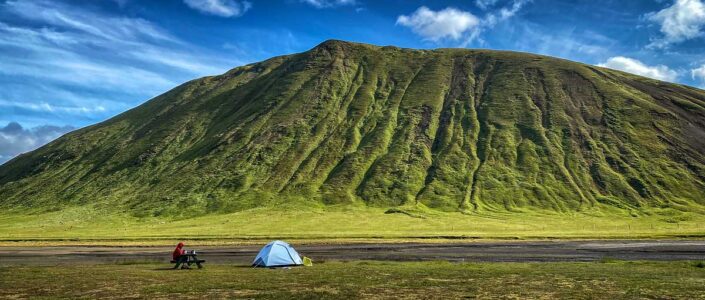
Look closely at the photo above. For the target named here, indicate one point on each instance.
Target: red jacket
(178, 251)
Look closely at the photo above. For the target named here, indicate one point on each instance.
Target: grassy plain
(361, 279)
(339, 224)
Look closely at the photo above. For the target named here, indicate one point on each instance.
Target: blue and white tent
(277, 254)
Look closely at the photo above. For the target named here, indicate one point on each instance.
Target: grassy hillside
(476, 131)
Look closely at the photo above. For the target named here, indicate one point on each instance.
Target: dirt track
(522, 251)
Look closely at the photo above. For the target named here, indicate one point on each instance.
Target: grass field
(598, 280)
(340, 223)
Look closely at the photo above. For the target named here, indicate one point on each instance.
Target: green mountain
(347, 123)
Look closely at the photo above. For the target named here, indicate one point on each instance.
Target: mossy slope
(346, 123)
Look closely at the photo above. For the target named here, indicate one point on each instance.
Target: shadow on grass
(205, 267)
(242, 266)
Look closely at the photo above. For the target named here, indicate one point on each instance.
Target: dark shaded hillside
(351, 123)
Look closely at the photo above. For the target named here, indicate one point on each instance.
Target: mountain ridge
(343, 123)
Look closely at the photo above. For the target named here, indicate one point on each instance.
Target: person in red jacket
(178, 254)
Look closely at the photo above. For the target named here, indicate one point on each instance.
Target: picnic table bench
(191, 258)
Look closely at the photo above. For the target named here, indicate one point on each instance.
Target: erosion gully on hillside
(502, 251)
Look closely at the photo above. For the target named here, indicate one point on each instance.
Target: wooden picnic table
(192, 258)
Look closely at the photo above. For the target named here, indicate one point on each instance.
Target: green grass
(361, 279)
(329, 224)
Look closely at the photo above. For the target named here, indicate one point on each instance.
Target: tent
(277, 254)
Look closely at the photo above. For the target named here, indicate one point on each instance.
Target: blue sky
(67, 64)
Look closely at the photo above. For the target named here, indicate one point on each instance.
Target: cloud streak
(221, 8)
(329, 3)
(485, 4)
(73, 18)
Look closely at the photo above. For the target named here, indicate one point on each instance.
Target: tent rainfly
(277, 254)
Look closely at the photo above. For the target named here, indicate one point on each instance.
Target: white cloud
(699, 74)
(449, 23)
(14, 139)
(221, 8)
(682, 21)
(329, 3)
(454, 24)
(637, 67)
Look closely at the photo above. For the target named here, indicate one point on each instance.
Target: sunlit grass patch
(332, 224)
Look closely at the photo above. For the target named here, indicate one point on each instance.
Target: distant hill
(347, 123)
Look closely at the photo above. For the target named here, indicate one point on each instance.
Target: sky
(67, 64)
